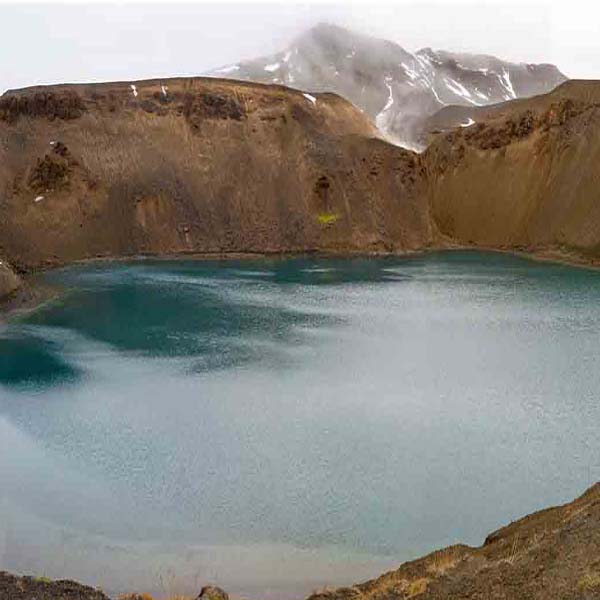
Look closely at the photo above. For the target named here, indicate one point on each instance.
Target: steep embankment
(213, 166)
(525, 176)
(554, 553)
(198, 165)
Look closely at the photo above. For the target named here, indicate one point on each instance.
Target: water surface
(273, 426)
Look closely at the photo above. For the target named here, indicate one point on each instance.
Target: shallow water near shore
(277, 425)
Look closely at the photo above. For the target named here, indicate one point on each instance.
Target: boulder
(211, 592)
(9, 280)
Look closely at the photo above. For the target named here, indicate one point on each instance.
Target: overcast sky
(48, 43)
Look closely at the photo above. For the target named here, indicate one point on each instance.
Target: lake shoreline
(382, 284)
(32, 295)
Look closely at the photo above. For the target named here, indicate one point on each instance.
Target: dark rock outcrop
(49, 104)
(41, 588)
(9, 281)
(211, 592)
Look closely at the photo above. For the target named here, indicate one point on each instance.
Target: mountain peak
(398, 89)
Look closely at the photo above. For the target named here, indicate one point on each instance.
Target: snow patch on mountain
(382, 117)
(507, 84)
(460, 90)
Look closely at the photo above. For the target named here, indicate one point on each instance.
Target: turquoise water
(277, 425)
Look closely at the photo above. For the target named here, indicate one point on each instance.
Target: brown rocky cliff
(524, 176)
(213, 166)
(198, 165)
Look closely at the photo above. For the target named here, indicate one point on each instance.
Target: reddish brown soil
(524, 177)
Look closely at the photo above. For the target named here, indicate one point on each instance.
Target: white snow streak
(38, 198)
(310, 98)
(390, 99)
(412, 74)
(468, 123)
(381, 118)
(505, 79)
(460, 90)
(436, 95)
(134, 90)
(457, 88)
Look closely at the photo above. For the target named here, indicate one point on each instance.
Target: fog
(75, 42)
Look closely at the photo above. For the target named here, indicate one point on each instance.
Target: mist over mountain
(396, 88)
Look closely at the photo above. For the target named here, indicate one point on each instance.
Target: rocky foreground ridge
(551, 554)
(215, 166)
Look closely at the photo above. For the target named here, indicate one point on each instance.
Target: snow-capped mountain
(398, 89)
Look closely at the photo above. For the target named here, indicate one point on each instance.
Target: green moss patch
(327, 218)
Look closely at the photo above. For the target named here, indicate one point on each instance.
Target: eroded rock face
(522, 176)
(49, 104)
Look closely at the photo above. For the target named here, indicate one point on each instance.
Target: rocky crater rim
(210, 166)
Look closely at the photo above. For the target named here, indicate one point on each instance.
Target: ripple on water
(282, 424)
